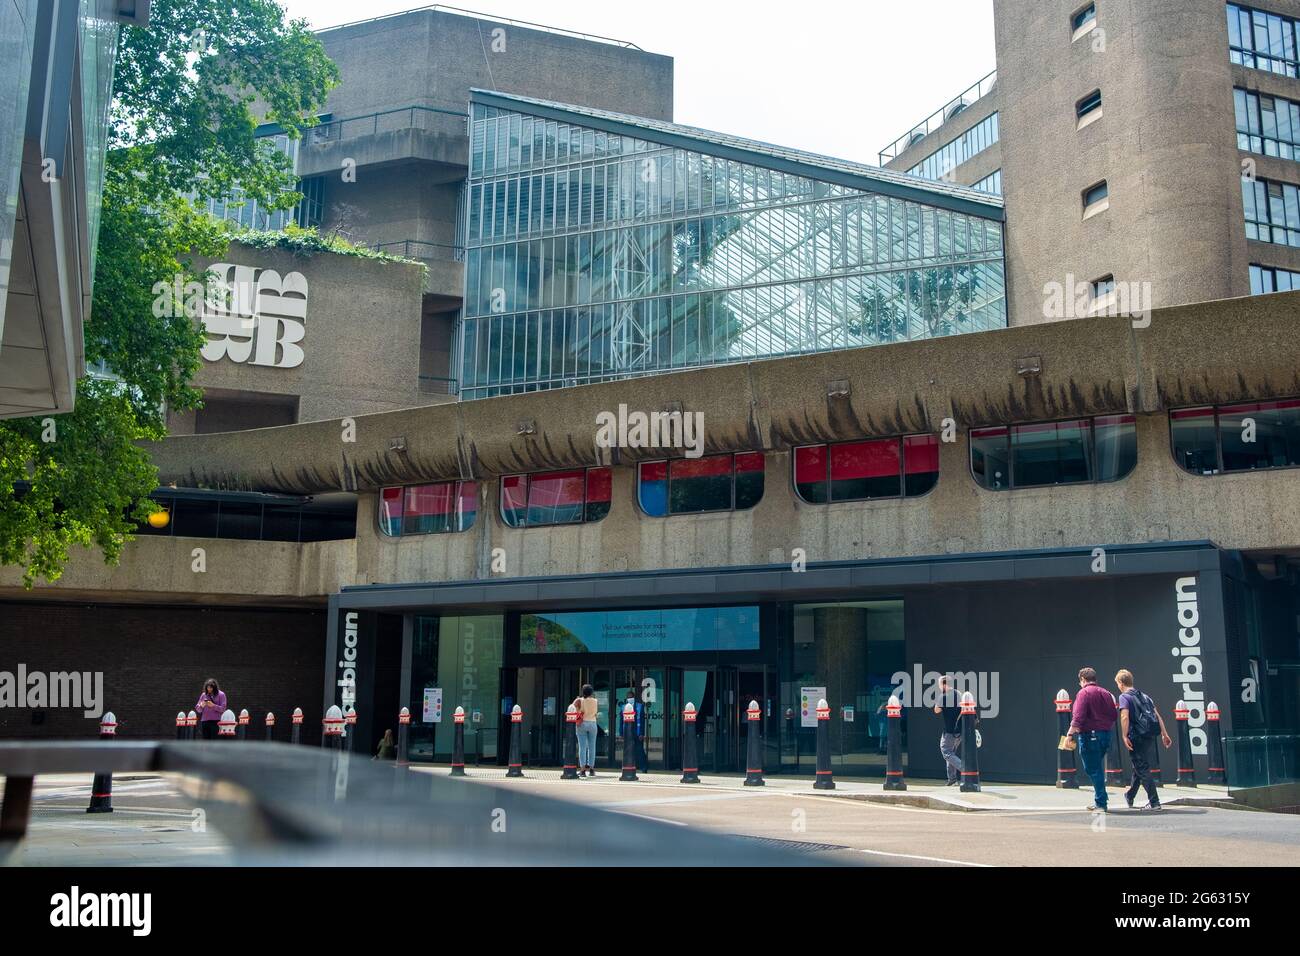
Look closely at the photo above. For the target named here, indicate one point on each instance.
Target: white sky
(840, 77)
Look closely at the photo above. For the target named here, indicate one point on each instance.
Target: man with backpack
(1140, 726)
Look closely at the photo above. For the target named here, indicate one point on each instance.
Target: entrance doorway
(658, 694)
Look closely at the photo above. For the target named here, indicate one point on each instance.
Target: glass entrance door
(646, 688)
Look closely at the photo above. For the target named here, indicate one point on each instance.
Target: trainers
(953, 783)
(1093, 808)
(1153, 806)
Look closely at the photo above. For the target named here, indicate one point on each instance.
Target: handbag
(577, 702)
(1067, 743)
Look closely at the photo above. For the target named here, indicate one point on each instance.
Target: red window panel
(711, 467)
(999, 431)
(429, 499)
(468, 497)
(1182, 414)
(810, 464)
(514, 490)
(390, 510)
(920, 454)
(555, 488)
(654, 471)
(1112, 421)
(599, 481)
(749, 461)
(866, 459)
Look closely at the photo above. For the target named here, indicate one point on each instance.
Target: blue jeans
(1093, 745)
(586, 743)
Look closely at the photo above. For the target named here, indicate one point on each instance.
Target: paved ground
(1003, 825)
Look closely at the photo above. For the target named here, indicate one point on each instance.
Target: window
(253, 517)
(1084, 19)
(1054, 453)
(555, 497)
(695, 485)
(992, 183)
(948, 157)
(1262, 41)
(1096, 199)
(1249, 436)
(1265, 279)
(1102, 291)
(1272, 211)
(864, 470)
(1268, 125)
(438, 508)
(1090, 105)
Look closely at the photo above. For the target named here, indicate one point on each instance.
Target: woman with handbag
(586, 729)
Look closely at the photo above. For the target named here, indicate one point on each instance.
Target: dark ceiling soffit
(915, 194)
(722, 585)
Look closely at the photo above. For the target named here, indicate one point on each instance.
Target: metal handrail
(940, 116)
(350, 127)
(418, 249)
(437, 385)
(300, 805)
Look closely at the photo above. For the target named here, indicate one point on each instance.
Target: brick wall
(155, 659)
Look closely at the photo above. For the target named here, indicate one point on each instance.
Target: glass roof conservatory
(603, 246)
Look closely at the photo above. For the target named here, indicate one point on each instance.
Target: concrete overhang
(445, 154)
(1211, 352)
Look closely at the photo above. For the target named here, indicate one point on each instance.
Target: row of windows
(1262, 41)
(243, 518)
(1265, 279)
(968, 145)
(1206, 440)
(992, 183)
(718, 252)
(1268, 125)
(1272, 211)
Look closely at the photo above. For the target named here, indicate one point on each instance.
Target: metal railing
(437, 385)
(493, 18)
(431, 118)
(419, 249)
(938, 118)
(277, 803)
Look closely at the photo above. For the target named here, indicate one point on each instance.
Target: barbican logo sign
(254, 316)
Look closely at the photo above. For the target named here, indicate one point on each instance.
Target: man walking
(1090, 725)
(950, 737)
(1140, 724)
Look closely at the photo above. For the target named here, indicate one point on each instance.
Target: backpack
(1144, 722)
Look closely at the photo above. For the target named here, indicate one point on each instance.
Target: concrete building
(56, 79)
(806, 448)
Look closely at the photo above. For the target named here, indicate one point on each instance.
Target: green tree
(189, 92)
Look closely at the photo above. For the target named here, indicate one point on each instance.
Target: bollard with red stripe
(192, 725)
(825, 779)
(1066, 771)
(516, 767)
(226, 726)
(241, 731)
(690, 750)
(270, 726)
(1218, 770)
(570, 744)
(1114, 763)
(332, 728)
(629, 743)
(458, 745)
(403, 737)
(182, 728)
(1186, 768)
(754, 747)
(894, 759)
(297, 726)
(970, 761)
(349, 728)
(101, 788)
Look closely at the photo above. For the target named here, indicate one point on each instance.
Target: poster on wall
(808, 697)
(433, 705)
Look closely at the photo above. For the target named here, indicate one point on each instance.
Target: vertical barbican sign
(1190, 679)
(254, 316)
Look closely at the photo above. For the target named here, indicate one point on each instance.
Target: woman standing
(387, 747)
(586, 730)
(211, 705)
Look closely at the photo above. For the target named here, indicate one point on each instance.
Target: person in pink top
(1091, 724)
(211, 705)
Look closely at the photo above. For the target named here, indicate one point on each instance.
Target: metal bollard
(690, 749)
(270, 726)
(241, 732)
(970, 761)
(516, 767)
(297, 726)
(894, 760)
(629, 743)
(1066, 771)
(754, 747)
(1186, 768)
(825, 779)
(101, 788)
(570, 744)
(350, 730)
(403, 737)
(1114, 762)
(182, 729)
(458, 744)
(226, 725)
(1218, 770)
(192, 725)
(332, 728)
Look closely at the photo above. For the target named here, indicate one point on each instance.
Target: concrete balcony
(412, 134)
(445, 263)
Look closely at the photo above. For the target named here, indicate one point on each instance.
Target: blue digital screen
(613, 632)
